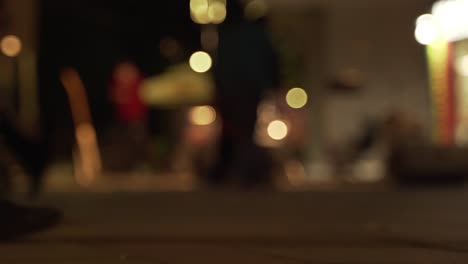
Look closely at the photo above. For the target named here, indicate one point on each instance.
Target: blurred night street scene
(234, 131)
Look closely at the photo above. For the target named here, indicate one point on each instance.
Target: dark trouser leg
(238, 155)
(225, 152)
(251, 162)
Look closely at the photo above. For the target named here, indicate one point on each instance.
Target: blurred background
(134, 95)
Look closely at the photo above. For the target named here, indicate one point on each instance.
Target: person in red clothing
(130, 110)
(125, 93)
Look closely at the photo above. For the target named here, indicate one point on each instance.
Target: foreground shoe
(19, 221)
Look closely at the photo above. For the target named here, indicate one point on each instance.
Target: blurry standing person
(16, 220)
(28, 151)
(131, 112)
(31, 154)
(246, 68)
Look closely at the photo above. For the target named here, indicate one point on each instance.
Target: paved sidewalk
(201, 227)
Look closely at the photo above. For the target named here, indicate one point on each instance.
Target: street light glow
(277, 130)
(217, 12)
(202, 115)
(296, 98)
(200, 62)
(11, 45)
(199, 11)
(427, 30)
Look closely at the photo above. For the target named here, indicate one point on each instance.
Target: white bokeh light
(451, 19)
(200, 62)
(277, 130)
(426, 29)
(202, 115)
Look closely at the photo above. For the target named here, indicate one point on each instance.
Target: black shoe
(19, 221)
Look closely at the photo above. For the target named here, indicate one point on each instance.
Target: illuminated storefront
(445, 34)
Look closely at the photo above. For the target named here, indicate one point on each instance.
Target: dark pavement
(394, 226)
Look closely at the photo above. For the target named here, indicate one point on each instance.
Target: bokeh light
(296, 98)
(199, 11)
(426, 29)
(277, 130)
(200, 62)
(217, 12)
(198, 4)
(450, 15)
(256, 9)
(202, 115)
(11, 45)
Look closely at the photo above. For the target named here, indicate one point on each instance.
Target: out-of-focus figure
(183, 94)
(31, 154)
(398, 129)
(245, 70)
(17, 221)
(131, 112)
(388, 141)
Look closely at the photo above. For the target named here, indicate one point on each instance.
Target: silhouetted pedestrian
(245, 70)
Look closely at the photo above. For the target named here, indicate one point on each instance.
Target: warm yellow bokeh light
(200, 17)
(277, 130)
(297, 98)
(217, 12)
(198, 4)
(199, 11)
(11, 46)
(200, 62)
(202, 115)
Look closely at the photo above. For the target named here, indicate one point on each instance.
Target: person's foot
(19, 221)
